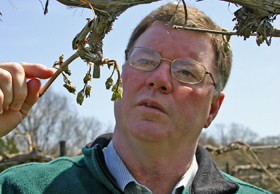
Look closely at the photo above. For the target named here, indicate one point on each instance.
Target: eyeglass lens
(184, 70)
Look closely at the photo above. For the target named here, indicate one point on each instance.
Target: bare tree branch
(239, 168)
(261, 8)
(274, 33)
(33, 156)
(246, 147)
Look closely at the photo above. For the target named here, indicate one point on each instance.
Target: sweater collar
(208, 179)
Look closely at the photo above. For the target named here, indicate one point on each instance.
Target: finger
(6, 88)
(33, 87)
(37, 70)
(9, 120)
(1, 101)
(17, 86)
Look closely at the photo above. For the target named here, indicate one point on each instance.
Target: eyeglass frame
(206, 72)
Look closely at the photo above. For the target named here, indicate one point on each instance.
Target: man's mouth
(149, 105)
(153, 107)
(152, 104)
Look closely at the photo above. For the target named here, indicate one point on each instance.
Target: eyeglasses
(184, 70)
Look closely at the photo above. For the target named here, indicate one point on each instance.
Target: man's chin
(149, 131)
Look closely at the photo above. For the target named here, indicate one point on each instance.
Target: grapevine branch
(238, 168)
(262, 176)
(62, 67)
(237, 145)
(89, 41)
(14, 159)
(274, 33)
(254, 18)
(33, 155)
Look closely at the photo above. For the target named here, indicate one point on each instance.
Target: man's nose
(160, 78)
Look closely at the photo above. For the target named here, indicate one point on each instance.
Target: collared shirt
(127, 182)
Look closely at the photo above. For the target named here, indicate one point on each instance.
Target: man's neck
(157, 166)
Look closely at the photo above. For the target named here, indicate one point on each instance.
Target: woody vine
(254, 18)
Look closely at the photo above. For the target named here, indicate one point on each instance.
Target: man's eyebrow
(144, 51)
(149, 51)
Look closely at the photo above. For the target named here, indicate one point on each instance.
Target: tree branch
(33, 156)
(244, 146)
(262, 8)
(239, 168)
(274, 33)
(61, 68)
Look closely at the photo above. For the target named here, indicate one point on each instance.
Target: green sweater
(89, 174)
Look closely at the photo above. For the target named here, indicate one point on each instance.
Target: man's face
(156, 106)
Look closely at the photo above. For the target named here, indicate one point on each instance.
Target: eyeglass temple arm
(211, 78)
(126, 53)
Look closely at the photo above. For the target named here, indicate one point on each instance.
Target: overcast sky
(252, 94)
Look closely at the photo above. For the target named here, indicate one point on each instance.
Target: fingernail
(16, 106)
(1, 109)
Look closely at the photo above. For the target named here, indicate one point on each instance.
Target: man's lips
(151, 104)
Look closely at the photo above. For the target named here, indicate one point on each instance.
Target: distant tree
(207, 139)
(53, 119)
(270, 140)
(79, 131)
(7, 144)
(223, 135)
(238, 131)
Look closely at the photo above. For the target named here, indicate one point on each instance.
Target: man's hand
(17, 96)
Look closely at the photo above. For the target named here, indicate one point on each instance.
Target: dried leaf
(87, 77)
(70, 88)
(109, 83)
(80, 97)
(88, 89)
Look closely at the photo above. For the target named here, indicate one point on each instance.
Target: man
(172, 82)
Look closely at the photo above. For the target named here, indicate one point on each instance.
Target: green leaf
(88, 89)
(109, 83)
(70, 88)
(80, 97)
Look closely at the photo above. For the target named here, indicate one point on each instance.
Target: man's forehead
(159, 31)
(162, 38)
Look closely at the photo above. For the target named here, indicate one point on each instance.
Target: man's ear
(215, 107)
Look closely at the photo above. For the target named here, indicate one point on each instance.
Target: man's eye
(144, 61)
(187, 73)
